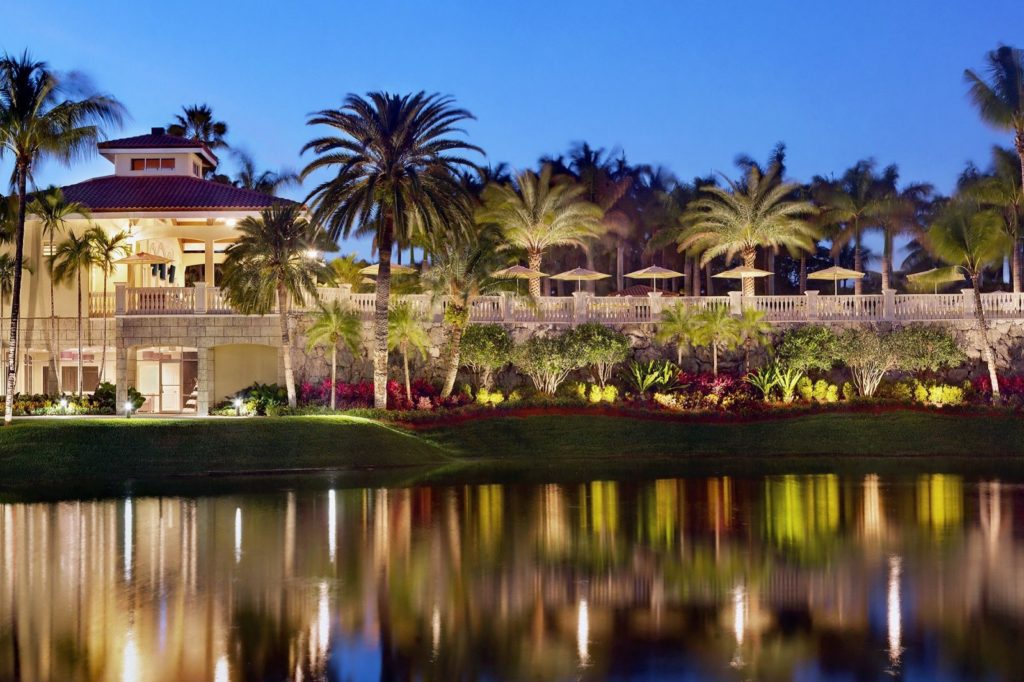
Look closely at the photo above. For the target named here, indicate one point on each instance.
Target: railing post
(345, 294)
(888, 304)
(200, 303)
(656, 305)
(435, 306)
(120, 298)
(579, 308)
(505, 303)
(812, 304)
(968, 303)
(735, 302)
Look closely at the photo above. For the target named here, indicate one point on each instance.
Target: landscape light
(313, 254)
(231, 222)
(128, 407)
(64, 405)
(238, 407)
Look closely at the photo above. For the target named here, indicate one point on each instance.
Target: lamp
(238, 407)
(128, 407)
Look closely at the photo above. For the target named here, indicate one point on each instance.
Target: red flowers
(354, 395)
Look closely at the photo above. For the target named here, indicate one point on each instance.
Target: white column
(968, 295)
(888, 304)
(208, 265)
(580, 304)
(120, 298)
(812, 304)
(656, 304)
(200, 302)
(735, 302)
(204, 380)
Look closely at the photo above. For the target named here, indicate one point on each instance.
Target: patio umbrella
(655, 273)
(834, 274)
(580, 275)
(368, 280)
(396, 269)
(518, 272)
(142, 258)
(935, 277)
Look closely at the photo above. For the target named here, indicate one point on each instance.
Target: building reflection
(516, 582)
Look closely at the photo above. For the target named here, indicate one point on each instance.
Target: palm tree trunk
(695, 276)
(1015, 265)
(709, 284)
(286, 343)
(21, 170)
(405, 367)
(986, 346)
(588, 252)
(620, 270)
(714, 358)
(103, 352)
(334, 376)
(380, 316)
(770, 281)
(454, 352)
(79, 382)
(887, 260)
(857, 265)
(749, 260)
(803, 273)
(533, 261)
(54, 339)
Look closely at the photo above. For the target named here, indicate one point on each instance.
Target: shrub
(39, 404)
(1011, 386)
(261, 398)
(548, 360)
(595, 393)
(492, 398)
(938, 394)
(808, 347)
(849, 392)
(485, 349)
(926, 348)
(805, 389)
(601, 349)
(868, 355)
(786, 378)
(654, 375)
(825, 392)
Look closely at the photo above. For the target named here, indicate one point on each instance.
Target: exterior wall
(182, 166)
(239, 365)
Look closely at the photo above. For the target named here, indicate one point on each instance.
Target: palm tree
(106, 250)
(331, 325)
(971, 239)
(537, 213)
(752, 330)
(346, 270)
(898, 213)
(1000, 189)
(1000, 99)
(42, 116)
(396, 162)
(851, 202)
(53, 212)
(269, 263)
(462, 271)
(197, 123)
(718, 329)
(743, 217)
(73, 258)
(678, 325)
(264, 182)
(6, 284)
(406, 332)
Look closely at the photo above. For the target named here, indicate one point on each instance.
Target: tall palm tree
(6, 284)
(463, 270)
(971, 239)
(407, 332)
(197, 123)
(1000, 98)
(537, 213)
(752, 330)
(395, 161)
(740, 218)
(265, 182)
(106, 249)
(850, 204)
(42, 116)
(898, 213)
(73, 258)
(53, 212)
(719, 330)
(678, 326)
(335, 324)
(269, 264)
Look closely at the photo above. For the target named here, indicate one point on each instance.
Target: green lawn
(99, 455)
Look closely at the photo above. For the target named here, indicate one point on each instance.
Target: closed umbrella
(655, 273)
(372, 270)
(580, 275)
(834, 274)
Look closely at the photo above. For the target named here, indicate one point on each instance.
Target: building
(181, 363)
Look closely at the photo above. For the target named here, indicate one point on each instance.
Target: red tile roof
(155, 140)
(115, 193)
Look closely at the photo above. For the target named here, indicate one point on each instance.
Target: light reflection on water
(812, 577)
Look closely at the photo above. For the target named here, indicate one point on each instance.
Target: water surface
(816, 577)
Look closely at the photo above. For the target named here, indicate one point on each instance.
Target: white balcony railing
(583, 307)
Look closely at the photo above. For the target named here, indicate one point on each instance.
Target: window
(69, 379)
(195, 169)
(153, 164)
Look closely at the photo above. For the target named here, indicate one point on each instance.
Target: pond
(808, 577)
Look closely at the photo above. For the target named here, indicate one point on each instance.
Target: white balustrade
(568, 310)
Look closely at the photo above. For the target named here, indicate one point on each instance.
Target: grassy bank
(96, 454)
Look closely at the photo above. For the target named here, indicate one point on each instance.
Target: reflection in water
(809, 577)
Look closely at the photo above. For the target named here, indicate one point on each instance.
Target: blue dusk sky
(682, 84)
